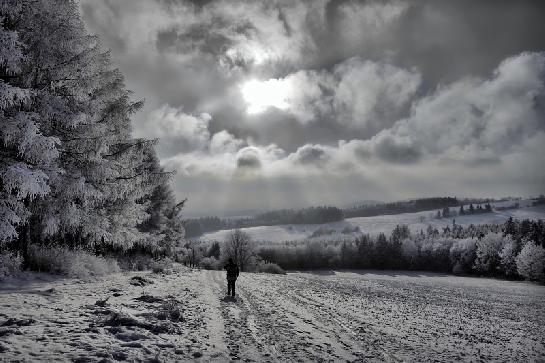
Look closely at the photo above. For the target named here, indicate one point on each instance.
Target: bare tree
(240, 248)
(192, 254)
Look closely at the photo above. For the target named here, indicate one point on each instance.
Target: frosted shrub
(10, 264)
(138, 262)
(531, 262)
(210, 263)
(508, 256)
(159, 266)
(72, 263)
(488, 253)
(270, 268)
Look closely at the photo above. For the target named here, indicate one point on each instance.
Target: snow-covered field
(377, 224)
(322, 316)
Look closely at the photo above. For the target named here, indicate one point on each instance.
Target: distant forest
(512, 250)
(326, 214)
(312, 215)
(410, 206)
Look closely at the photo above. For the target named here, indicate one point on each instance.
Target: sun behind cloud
(260, 95)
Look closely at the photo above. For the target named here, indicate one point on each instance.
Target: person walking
(232, 274)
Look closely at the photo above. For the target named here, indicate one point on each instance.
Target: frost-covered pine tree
(28, 156)
(164, 226)
(94, 199)
(71, 170)
(174, 229)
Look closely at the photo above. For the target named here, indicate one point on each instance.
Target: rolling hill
(351, 227)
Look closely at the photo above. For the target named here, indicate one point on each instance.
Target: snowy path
(325, 316)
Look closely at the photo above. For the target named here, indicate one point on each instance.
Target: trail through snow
(321, 316)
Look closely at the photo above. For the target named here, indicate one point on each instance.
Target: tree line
(325, 214)
(410, 206)
(446, 212)
(312, 215)
(515, 249)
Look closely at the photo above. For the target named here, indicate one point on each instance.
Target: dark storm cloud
(363, 90)
(445, 39)
(451, 39)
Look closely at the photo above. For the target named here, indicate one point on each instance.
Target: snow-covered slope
(355, 316)
(377, 224)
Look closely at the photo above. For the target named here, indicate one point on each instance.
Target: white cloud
(275, 31)
(224, 142)
(371, 95)
(470, 123)
(475, 117)
(178, 131)
(362, 95)
(250, 33)
(317, 85)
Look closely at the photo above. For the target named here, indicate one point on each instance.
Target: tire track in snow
(297, 317)
(216, 327)
(420, 321)
(274, 326)
(238, 337)
(263, 326)
(358, 317)
(303, 335)
(325, 321)
(366, 345)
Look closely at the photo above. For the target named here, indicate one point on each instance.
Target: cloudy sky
(273, 104)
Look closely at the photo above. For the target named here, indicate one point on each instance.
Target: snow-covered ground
(377, 224)
(321, 316)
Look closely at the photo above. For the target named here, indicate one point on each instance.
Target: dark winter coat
(232, 271)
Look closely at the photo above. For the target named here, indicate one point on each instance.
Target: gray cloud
(178, 132)
(433, 96)
(248, 158)
(473, 121)
(223, 142)
(310, 154)
(473, 117)
(396, 150)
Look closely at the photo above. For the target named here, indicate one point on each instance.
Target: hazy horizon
(285, 104)
(232, 213)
